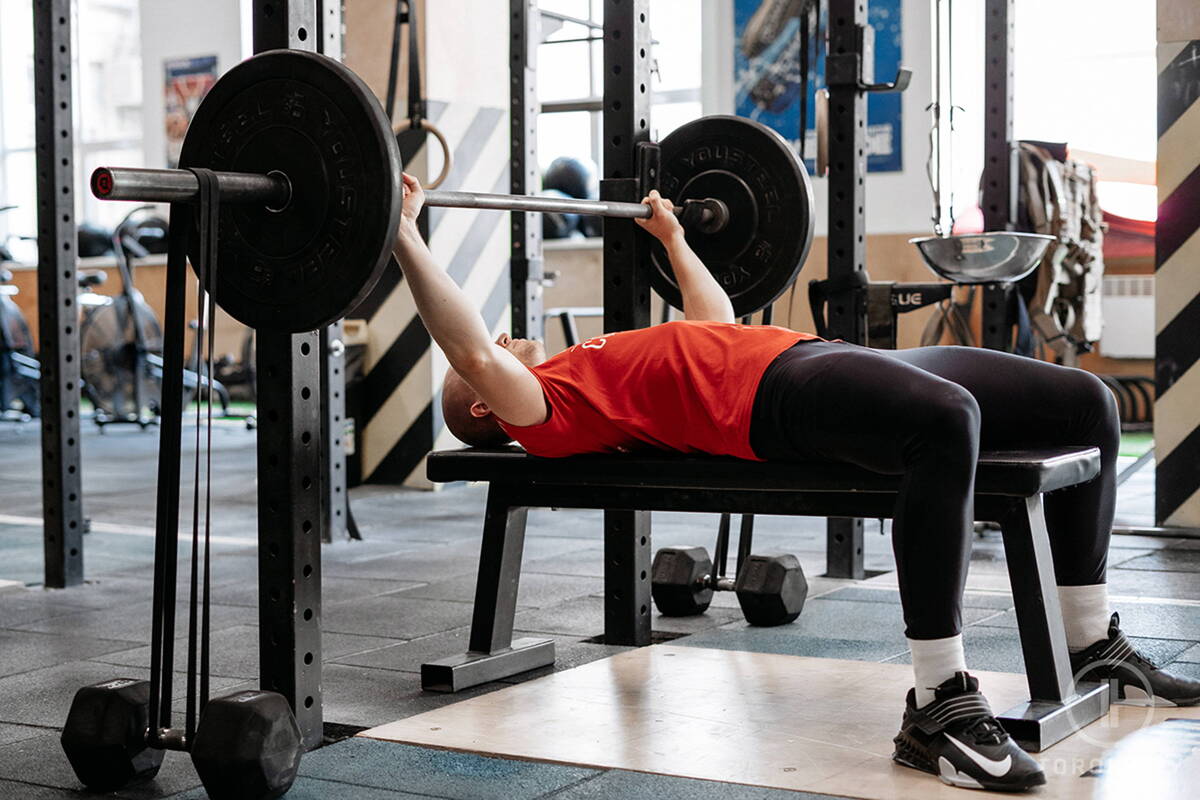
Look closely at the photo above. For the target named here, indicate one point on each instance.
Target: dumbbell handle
(723, 583)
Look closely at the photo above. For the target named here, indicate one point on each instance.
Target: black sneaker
(957, 738)
(1135, 679)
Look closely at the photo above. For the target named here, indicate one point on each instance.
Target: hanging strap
(804, 36)
(810, 51)
(166, 530)
(211, 315)
(416, 103)
(394, 64)
(207, 214)
(406, 13)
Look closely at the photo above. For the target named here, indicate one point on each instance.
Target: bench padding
(1015, 473)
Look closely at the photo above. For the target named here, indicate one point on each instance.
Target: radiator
(1128, 309)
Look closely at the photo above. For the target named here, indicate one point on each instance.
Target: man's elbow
(725, 312)
(709, 312)
(471, 362)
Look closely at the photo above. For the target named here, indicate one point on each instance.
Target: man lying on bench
(709, 385)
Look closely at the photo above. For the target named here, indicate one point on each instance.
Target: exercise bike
(20, 370)
(121, 342)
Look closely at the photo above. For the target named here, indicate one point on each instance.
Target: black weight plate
(754, 171)
(309, 117)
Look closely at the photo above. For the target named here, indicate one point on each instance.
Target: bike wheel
(113, 369)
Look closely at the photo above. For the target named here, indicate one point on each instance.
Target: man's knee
(949, 417)
(1098, 406)
(952, 408)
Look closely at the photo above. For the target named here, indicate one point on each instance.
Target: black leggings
(924, 414)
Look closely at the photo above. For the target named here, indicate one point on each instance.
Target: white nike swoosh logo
(992, 767)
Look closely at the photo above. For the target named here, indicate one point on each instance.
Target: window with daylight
(107, 86)
(570, 63)
(1085, 74)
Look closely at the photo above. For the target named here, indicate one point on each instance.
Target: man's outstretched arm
(503, 382)
(703, 297)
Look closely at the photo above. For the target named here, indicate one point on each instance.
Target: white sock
(934, 662)
(1085, 614)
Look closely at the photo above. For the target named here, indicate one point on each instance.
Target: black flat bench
(1008, 490)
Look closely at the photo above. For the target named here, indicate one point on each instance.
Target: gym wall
(367, 45)
(173, 29)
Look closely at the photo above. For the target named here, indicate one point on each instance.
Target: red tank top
(682, 386)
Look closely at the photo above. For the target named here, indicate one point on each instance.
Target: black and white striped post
(1177, 275)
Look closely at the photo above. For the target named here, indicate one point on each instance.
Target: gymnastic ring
(447, 155)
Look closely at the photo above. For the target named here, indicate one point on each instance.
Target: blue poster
(767, 73)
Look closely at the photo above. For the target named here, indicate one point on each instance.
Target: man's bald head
(466, 414)
(458, 399)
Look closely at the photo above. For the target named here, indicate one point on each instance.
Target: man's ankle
(1085, 614)
(934, 662)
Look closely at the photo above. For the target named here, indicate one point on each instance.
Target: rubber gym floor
(403, 596)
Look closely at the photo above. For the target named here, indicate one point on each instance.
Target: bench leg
(844, 548)
(627, 577)
(1057, 708)
(493, 654)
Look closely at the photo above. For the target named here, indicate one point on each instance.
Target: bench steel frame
(1009, 491)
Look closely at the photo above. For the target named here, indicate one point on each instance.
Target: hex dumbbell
(771, 589)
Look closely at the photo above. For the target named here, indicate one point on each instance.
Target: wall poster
(187, 81)
(767, 74)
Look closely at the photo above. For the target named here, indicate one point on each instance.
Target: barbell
(274, 191)
(308, 175)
